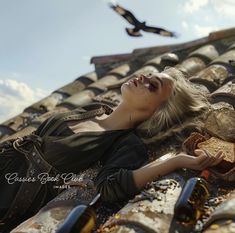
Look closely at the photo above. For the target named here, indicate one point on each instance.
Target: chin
(124, 88)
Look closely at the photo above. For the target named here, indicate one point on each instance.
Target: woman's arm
(115, 179)
(155, 169)
(122, 176)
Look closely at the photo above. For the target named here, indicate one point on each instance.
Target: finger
(220, 153)
(215, 159)
(205, 161)
(208, 153)
(199, 152)
(217, 154)
(219, 159)
(201, 158)
(208, 161)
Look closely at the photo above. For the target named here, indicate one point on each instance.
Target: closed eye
(157, 79)
(153, 86)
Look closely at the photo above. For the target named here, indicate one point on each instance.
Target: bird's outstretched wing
(160, 31)
(133, 32)
(125, 14)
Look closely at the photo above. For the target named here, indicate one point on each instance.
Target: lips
(135, 82)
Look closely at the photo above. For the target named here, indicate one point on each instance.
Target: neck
(123, 118)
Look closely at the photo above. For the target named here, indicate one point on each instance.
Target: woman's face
(147, 92)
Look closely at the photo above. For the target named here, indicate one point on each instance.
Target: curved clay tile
(31, 126)
(217, 72)
(83, 97)
(45, 104)
(111, 98)
(28, 130)
(198, 59)
(15, 124)
(226, 93)
(20, 121)
(78, 84)
(5, 131)
(151, 211)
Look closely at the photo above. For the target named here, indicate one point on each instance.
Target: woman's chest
(87, 126)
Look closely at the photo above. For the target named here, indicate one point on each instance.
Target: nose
(142, 78)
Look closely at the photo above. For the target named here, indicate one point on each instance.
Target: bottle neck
(205, 174)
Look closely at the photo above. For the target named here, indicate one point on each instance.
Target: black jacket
(117, 151)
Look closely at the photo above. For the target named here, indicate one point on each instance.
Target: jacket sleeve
(115, 180)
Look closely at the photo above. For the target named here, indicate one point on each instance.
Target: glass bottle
(82, 218)
(192, 198)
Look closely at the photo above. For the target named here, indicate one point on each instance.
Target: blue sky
(48, 43)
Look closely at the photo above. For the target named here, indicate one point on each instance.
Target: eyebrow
(158, 80)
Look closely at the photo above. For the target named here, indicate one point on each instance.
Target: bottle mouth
(186, 215)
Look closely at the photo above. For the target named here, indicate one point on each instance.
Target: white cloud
(185, 25)
(110, 1)
(225, 8)
(200, 31)
(15, 96)
(207, 18)
(194, 5)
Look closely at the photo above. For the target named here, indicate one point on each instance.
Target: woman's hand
(203, 160)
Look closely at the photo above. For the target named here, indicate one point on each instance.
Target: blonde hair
(185, 102)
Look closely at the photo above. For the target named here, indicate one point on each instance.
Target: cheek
(147, 102)
(126, 92)
(141, 96)
(153, 101)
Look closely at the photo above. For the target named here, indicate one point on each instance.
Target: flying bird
(139, 25)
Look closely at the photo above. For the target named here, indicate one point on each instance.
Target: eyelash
(152, 87)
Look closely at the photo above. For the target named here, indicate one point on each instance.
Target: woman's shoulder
(80, 113)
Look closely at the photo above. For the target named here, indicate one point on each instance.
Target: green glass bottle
(192, 199)
(82, 218)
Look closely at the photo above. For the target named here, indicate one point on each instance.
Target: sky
(48, 43)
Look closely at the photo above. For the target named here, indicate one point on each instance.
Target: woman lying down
(74, 141)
